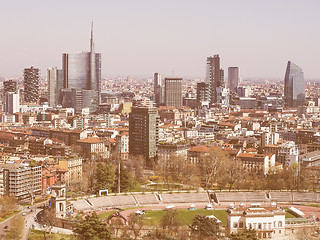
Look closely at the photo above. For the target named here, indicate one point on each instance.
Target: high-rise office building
(55, 84)
(144, 132)
(11, 102)
(203, 92)
(158, 89)
(82, 71)
(214, 77)
(233, 78)
(9, 86)
(31, 84)
(173, 92)
(294, 93)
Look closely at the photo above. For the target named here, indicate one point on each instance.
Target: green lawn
(105, 215)
(185, 216)
(8, 216)
(288, 214)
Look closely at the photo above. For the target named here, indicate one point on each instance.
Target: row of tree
(92, 227)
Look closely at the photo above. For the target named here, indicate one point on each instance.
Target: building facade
(20, 180)
(31, 84)
(233, 78)
(11, 102)
(55, 84)
(294, 92)
(268, 222)
(9, 86)
(214, 77)
(82, 72)
(144, 132)
(173, 92)
(158, 89)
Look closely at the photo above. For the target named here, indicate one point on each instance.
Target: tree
(16, 228)
(203, 226)
(126, 180)
(248, 234)
(211, 166)
(104, 176)
(92, 228)
(8, 205)
(46, 219)
(170, 219)
(135, 224)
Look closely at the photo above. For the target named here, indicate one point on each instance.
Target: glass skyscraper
(294, 93)
(82, 72)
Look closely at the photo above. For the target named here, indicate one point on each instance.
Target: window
(280, 224)
(259, 225)
(235, 225)
(61, 207)
(241, 225)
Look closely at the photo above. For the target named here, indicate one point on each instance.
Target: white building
(268, 138)
(269, 222)
(12, 104)
(288, 153)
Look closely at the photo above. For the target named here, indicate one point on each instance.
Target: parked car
(209, 207)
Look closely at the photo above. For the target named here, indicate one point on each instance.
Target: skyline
(138, 39)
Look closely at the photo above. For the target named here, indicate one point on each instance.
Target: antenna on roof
(91, 39)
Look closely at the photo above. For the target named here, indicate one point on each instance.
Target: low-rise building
(258, 162)
(269, 222)
(93, 147)
(73, 165)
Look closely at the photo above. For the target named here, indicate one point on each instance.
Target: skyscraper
(11, 102)
(31, 84)
(173, 92)
(294, 93)
(233, 78)
(55, 84)
(214, 77)
(158, 89)
(144, 132)
(82, 71)
(9, 86)
(203, 92)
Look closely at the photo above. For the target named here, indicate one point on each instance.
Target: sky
(140, 37)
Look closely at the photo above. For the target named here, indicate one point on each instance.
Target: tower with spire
(82, 77)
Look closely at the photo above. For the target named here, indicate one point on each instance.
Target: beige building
(269, 222)
(20, 180)
(93, 147)
(73, 165)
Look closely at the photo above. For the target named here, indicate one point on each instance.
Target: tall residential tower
(31, 84)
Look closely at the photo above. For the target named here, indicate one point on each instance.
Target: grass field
(105, 215)
(288, 214)
(185, 216)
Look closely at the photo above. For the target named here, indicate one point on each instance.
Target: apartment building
(20, 180)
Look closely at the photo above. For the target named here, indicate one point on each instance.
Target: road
(29, 220)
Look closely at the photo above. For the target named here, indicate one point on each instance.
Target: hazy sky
(140, 37)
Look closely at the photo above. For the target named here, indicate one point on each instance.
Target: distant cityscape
(78, 143)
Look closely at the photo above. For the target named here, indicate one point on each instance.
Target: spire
(91, 39)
